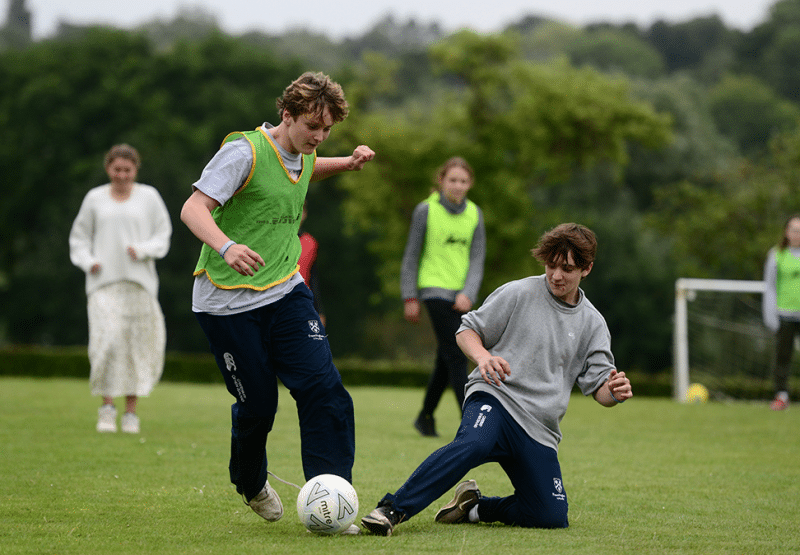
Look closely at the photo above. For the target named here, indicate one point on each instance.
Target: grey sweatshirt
(549, 345)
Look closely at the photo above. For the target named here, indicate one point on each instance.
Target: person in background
(443, 268)
(532, 341)
(121, 229)
(781, 304)
(251, 300)
(308, 264)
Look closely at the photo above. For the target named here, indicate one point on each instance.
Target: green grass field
(651, 476)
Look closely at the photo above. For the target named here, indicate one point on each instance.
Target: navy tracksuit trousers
(284, 340)
(489, 434)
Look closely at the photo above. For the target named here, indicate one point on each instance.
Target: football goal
(720, 340)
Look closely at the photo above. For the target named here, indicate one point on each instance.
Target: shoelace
(277, 478)
(282, 480)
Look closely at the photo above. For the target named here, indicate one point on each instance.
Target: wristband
(612, 396)
(225, 248)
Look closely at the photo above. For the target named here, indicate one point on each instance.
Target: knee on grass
(555, 519)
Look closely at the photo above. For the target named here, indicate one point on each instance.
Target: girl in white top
(121, 228)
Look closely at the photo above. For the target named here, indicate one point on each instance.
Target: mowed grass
(651, 476)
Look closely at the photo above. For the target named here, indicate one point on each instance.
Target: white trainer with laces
(107, 419)
(267, 504)
(130, 423)
(352, 530)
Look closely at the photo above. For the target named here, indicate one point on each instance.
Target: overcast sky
(339, 18)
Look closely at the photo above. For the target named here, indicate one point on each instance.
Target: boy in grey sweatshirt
(532, 341)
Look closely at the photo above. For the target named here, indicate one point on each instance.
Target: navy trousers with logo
(489, 434)
(282, 341)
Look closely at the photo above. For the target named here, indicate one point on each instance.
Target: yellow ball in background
(697, 393)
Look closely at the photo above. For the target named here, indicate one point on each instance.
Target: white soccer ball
(327, 504)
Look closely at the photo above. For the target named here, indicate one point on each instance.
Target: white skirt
(127, 339)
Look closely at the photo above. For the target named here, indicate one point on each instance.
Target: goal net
(720, 339)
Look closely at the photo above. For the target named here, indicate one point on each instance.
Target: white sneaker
(107, 419)
(130, 423)
(352, 530)
(267, 504)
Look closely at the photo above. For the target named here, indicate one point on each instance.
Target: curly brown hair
(311, 93)
(555, 245)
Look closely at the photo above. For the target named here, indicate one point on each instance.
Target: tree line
(678, 144)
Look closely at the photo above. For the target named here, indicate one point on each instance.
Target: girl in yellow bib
(443, 268)
(781, 304)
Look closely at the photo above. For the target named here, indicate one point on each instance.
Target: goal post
(684, 289)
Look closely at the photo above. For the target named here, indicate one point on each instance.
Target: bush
(73, 362)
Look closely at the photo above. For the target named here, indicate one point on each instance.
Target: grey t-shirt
(549, 345)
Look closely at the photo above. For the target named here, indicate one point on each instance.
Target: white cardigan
(104, 229)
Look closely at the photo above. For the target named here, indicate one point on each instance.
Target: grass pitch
(651, 476)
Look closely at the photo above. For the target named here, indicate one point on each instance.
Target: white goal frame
(683, 289)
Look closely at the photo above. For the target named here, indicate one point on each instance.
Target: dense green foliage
(62, 104)
(677, 143)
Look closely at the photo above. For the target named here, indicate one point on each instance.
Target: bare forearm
(197, 218)
(603, 396)
(471, 345)
(493, 369)
(196, 214)
(326, 167)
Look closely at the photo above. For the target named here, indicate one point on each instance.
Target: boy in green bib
(250, 298)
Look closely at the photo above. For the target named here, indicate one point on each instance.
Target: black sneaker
(382, 520)
(457, 511)
(425, 425)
